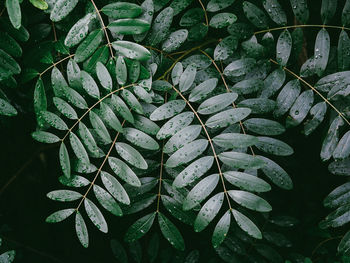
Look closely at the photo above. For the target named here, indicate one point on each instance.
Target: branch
(314, 89)
(104, 28)
(210, 142)
(300, 26)
(228, 90)
(99, 169)
(93, 106)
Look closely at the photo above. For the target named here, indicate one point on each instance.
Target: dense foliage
(165, 118)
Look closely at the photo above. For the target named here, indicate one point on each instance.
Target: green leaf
(131, 155)
(14, 12)
(192, 17)
(175, 124)
(246, 224)
(123, 171)
(140, 139)
(216, 5)
(103, 76)
(175, 209)
(99, 127)
(322, 49)
(122, 10)
(301, 10)
(107, 201)
(78, 148)
(90, 85)
(59, 215)
(160, 27)
(331, 140)
(342, 150)
(115, 188)
(255, 15)
(75, 181)
(343, 50)
(122, 109)
(225, 48)
(217, 103)
(345, 18)
(81, 230)
(75, 98)
(145, 125)
(234, 140)
(241, 31)
(176, 73)
(338, 197)
(328, 9)
(318, 113)
(8, 66)
(131, 50)
(248, 86)
(180, 5)
(275, 11)
(138, 206)
(95, 215)
(284, 47)
(7, 109)
(273, 146)
(134, 72)
(88, 140)
(194, 171)
(258, 105)
(41, 4)
(228, 117)
(170, 232)
(64, 160)
(139, 228)
(250, 200)
(175, 40)
(45, 137)
(200, 191)
(132, 101)
(121, 71)
(221, 229)
(202, 90)
(239, 67)
(276, 174)
(109, 117)
(264, 126)
(187, 153)
(9, 45)
(64, 195)
(287, 97)
(247, 182)
(88, 46)
(79, 31)
(344, 245)
(65, 108)
(208, 212)
(241, 160)
(8, 256)
(273, 83)
(300, 108)
(147, 15)
(187, 77)
(222, 20)
(181, 138)
(54, 121)
(129, 26)
(119, 251)
(61, 9)
(168, 110)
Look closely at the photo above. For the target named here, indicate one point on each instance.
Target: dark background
(30, 170)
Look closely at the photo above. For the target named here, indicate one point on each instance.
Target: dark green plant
(173, 112)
